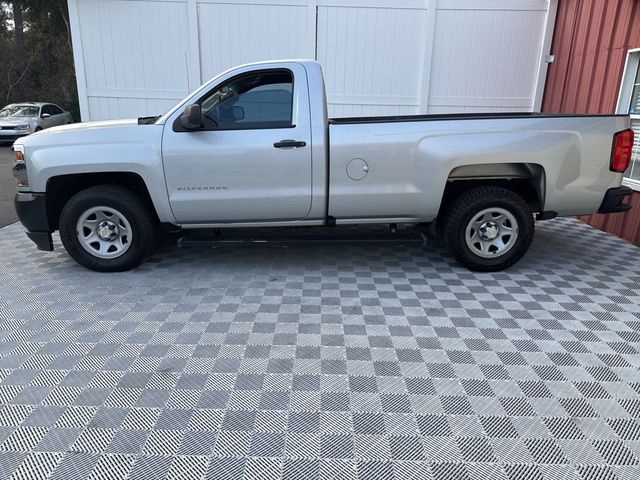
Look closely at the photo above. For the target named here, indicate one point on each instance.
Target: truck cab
(262, 127)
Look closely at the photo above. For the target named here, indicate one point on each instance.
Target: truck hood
(111, 131)
(75, 127)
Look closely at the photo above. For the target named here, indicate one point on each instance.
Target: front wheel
(488, 229)
(107, 229)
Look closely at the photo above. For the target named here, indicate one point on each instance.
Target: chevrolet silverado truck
(254, 147)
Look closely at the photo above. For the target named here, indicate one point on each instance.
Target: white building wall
(380, 57)
(485, 59)
(371, 57)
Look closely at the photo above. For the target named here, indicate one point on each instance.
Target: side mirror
(45, 115)
(238, 114)
(191, 118)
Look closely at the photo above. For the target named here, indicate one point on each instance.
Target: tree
(36, 58)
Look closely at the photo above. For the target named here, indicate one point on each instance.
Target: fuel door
(357, 169)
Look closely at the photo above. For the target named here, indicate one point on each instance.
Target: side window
(629, 103)
(255, 100)
(55, 110)
(46, 109)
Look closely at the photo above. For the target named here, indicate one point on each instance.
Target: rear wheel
(107, 228)
(488, 229)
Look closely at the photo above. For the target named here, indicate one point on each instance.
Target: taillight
(622, 146)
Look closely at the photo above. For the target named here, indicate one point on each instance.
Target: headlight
(22, 127)
(19, 168)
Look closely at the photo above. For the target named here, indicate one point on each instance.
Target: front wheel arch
(61, 188)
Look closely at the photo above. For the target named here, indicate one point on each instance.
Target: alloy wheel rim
(492, 232)
(104, 232)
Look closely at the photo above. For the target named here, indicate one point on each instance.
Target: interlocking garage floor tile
(323, 361)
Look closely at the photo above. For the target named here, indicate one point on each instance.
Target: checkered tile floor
(367, 362)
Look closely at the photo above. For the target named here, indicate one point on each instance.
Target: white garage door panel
(233, 34)
(342, 111)
(133, 47)
(439, 110)
(369, 57)
(134, 44)
(476, 71)
(118, 107)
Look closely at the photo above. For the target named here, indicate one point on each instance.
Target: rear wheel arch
(528, 180)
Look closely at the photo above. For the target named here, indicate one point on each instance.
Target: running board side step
(213, 238)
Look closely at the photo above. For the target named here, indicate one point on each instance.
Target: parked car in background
(20, 119)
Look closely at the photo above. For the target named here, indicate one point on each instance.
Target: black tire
(38, 129)
(130, 205)
(470, 204)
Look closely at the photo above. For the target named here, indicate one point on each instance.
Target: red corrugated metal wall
(590, 44)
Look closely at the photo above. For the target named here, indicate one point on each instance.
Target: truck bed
(396, 168)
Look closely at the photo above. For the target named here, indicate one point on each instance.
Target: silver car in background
(20, 119)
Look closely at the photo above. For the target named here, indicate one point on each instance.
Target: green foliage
(36, 59)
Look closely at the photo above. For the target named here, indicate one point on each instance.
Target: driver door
(238, 167)
(46, 117)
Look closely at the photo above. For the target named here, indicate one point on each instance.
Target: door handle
(289, 144)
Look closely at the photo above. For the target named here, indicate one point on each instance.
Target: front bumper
(31, 209)
(11, 135)
(612, 202)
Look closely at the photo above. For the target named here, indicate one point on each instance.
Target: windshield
(19, 111)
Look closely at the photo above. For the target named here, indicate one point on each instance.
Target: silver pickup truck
(254, 147)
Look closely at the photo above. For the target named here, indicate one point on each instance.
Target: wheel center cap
(489, 230)
(107, 230)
